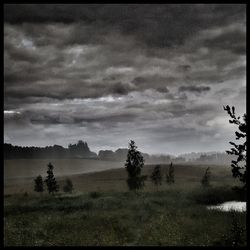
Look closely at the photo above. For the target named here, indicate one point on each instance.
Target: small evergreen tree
(134, 165)
(156, 176)
(51, 181)
(68, 187)
(38, 184)
(170, 174)
(205, 181)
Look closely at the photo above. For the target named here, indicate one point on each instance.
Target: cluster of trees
(215, 158)
(135, 163)
(51, 183)
(156, 176)
(121, 154)
(81, 150)
(78, 150)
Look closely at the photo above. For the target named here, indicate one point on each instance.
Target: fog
(31, 168)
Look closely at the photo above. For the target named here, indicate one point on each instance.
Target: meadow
(101, 211)
(19, 173)
(96, 175)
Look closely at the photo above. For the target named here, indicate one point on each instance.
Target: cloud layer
(158, 74)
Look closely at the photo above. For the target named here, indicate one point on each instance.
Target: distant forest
(81, 150)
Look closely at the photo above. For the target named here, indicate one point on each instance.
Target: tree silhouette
(170, 174)
(38, 184)
(205, 181)
(68, 187)
(134, 165)
(156, 176)
(239, 150)
(51, 181)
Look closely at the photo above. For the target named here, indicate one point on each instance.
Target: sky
(158, 74)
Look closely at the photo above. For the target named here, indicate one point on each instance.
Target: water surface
(238, 206)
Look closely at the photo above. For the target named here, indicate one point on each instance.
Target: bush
(68, 187)
(170, 175)
(205, 181)
(214, 195)
(94, 195)
(236, 234)
(38, 184)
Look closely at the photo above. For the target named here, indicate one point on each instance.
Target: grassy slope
(115, 179)
(173, 215)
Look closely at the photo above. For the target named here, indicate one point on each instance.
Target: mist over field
(30, 168)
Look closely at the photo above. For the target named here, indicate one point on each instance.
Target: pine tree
(51, 181)
(239, 167)
(38, 184)
(170, 174)
(68, 187)
(134, 165)
(156, 176)
(205, 181)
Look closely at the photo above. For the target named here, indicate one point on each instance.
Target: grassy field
(22, 168)
(102, 212)
(19, 174)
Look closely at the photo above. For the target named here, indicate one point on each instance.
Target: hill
(103, 179)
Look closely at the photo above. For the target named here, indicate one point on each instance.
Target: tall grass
(170, 217)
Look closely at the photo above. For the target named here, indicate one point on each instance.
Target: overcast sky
(105, 74)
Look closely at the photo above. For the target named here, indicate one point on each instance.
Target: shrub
(68, 187)
(94, 195)
(170, 174)
(236, 236)
(38, 184)
(156, 175)
(214, 195)
(205, 181)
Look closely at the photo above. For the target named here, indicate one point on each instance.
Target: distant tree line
(121, 154)
(215, 158)
(78, 150)
(81, 150)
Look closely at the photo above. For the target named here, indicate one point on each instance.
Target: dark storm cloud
(198, 89)
(155, 73)
(46, 60)
(120, 88)
(21, 55)
(234, 40)
(146, 82)
(163, 89)
(146, 21)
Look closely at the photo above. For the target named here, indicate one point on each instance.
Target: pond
(238, 206)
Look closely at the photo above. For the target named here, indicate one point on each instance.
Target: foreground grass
(173, 216)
